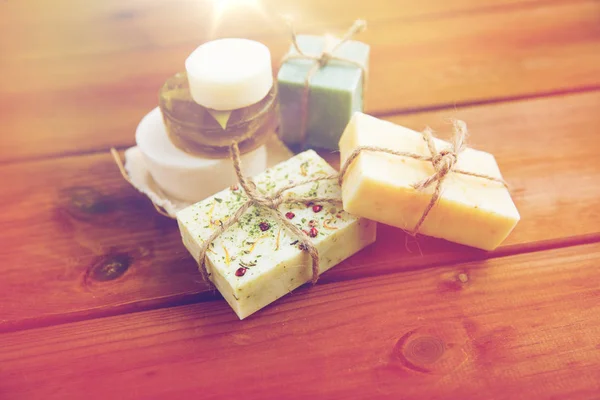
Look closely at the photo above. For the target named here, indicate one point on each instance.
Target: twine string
(321, 60)
(255, 198)
(443, 163)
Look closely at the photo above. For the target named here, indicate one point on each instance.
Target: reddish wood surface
(503, 329)
(77, 248)
(62, 79)
(78, 244)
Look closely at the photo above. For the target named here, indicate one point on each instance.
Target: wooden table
(99, 298)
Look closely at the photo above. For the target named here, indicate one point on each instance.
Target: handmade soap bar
(336, 91)
(471, 210)
(256, 261)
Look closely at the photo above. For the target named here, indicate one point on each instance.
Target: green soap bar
(336, 92)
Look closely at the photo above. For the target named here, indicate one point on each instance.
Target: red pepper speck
(313, 232)
(289, 215)
(234, 187)
(264, 226)
(316, 208)
(241, 271)
(312, 223)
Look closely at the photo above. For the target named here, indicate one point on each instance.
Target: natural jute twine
(272, 202)
(322, 60)
(443, 162)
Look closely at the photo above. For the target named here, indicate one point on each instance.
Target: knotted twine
(272, 202)
(322, 60)
(443, 162)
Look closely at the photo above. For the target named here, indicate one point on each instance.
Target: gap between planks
(383, 114)
(203, 297)
(570, 113)
(479, 63)
(523, 327)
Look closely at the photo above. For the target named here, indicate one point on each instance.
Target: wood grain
(80, 77)
(78, 242)
(521, 327)
(405, 318)
(180, 21)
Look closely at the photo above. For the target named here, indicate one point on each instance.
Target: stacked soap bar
(336, 92)
(257, 261)
(471, 210)
(178, 173)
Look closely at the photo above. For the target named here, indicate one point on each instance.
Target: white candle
(227, 74)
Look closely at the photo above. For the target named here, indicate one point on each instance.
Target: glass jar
(193, 129)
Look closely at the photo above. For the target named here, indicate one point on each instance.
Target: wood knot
(437, 349)
(424, 350)
(83, 202)
(108, 267)
(453, 282)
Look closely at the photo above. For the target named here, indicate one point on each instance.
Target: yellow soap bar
(471, 210)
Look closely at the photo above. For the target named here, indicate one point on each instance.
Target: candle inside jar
(227, 75)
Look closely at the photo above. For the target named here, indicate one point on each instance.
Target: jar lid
(227, 74)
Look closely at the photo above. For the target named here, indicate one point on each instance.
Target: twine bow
(272, 202)
(443, 163)
(321, 60)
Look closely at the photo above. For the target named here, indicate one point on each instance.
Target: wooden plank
(79, 243)
(97, 84)
(521, 327)
(48, 32)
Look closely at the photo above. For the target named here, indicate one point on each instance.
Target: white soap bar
(275, 264)
(182, 175)
(227, 74)
(471, 210)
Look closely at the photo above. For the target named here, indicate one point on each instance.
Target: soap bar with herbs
(471, 210)
(257, 261)
(336, 92)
